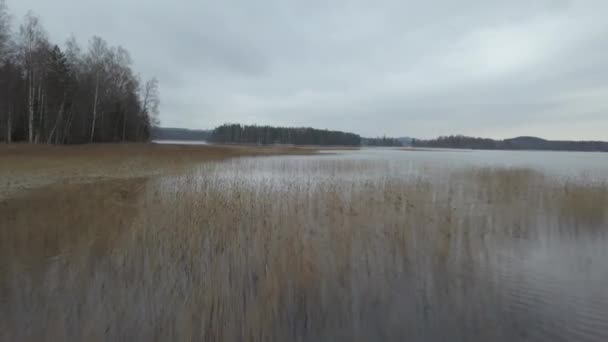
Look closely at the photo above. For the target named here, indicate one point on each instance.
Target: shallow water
(550, 285)
(367, 245)
(569, 164)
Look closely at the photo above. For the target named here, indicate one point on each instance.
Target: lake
(546, 281)
(363, 245)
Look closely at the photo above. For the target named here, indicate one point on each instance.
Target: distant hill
(166, 133)
(519, 143)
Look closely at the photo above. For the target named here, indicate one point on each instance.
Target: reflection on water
(556, 288)
(548, 283)
(351, 246)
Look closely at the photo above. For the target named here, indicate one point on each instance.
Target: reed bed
(25, 167)
(326, 250)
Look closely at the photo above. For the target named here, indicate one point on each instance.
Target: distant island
(179, 134)
(266, 135)
(383, 141)
(519, 143)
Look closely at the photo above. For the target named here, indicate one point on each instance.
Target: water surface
(549, 283)
(368, 245)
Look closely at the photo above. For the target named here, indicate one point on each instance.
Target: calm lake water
(365, 245)
(567, 164)
(181, 142)
(434, 165)
(547, 284)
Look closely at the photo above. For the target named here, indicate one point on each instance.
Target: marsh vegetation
(332, 247)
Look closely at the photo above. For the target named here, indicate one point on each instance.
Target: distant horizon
(397, 136)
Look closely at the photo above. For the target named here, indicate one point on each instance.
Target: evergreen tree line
(520, 143)
(59, 95)
(457, 141)
(183, 134)
(252, 134)
(383, 141)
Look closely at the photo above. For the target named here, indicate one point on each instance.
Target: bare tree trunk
(59, 116)
(124, 126)
(61, 126)
(68, 125)
(9, 127)
(95, 107)
(30, 109)
(137, 130)
(40, 129)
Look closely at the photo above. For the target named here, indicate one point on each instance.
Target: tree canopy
(519, 143)
(64, 94)
(252, 134)
(383, 141)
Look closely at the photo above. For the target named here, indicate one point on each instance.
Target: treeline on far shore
(382, 141)
(265, 135)
(179, 134)
(61, 93)
(519, 143)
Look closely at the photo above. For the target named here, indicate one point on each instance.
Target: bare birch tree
(50, 95)
(151, 101)
(95, 63)
(31, 41)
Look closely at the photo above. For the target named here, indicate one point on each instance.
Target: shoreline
(27, 167)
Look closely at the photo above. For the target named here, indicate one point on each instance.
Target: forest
(183, 134)
(519, 143)
(63, 94)
(382, 141)
(264, 135)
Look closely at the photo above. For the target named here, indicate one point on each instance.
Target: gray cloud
(490, 68)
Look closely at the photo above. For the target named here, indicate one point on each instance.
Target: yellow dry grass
(198, 256)
(24, 166)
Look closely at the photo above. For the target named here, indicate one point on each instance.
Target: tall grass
(235, 254)
(24, 167)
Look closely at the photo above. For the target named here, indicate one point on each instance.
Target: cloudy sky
(401, 68)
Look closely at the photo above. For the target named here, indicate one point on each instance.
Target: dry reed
(214, 256)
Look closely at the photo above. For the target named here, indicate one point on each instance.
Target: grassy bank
(24, 166)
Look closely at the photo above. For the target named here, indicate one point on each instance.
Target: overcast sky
(402, 68)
